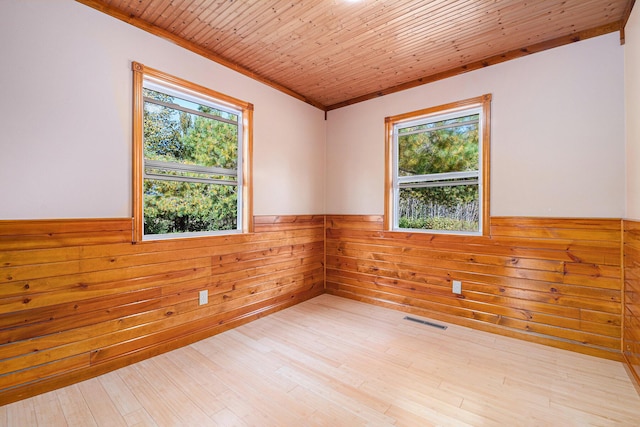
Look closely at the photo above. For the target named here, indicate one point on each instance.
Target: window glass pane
(451, 208)
(437, 147)
(178, 207)
(180, 131)
(174, 135)
(190, 104)
(189, 172)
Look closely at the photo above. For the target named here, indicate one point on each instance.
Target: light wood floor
(335, 362)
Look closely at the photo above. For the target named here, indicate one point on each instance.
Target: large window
(190, 161)
(438, 168)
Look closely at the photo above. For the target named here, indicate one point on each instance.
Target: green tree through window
(191, 162)
(437, 169)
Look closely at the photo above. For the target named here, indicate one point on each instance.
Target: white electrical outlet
(203, 297)
(457, 287)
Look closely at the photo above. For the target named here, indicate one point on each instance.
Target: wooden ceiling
(332, 53)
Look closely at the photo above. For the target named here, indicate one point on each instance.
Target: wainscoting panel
(548, 280)
(631, 332)
(78, 299)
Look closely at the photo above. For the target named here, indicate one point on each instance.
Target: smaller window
(438, 168)
(191, 150)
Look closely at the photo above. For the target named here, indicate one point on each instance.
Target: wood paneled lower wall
(546, 280)
(631, 332)
(77, 299)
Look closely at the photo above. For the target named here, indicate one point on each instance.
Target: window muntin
(189, 159)
(439, 168)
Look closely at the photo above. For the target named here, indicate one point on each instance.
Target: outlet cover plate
(203, 297)
(456, 287)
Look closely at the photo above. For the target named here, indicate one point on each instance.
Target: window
(437, 177)
(192, 148)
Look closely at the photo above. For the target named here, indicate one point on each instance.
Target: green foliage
(162, 132)
(438, 223)
(174, 136)
(212, 143)
(176, 207)
(440, 150)
(435, 148)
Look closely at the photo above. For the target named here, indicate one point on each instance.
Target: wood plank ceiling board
(334, 53)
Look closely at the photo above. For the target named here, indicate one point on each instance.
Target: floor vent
(424, 322)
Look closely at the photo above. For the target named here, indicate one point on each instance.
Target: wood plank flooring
(332, 361)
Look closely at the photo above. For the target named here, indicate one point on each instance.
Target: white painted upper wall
(557, 134)
(65, 116)
(558, 144)
(632, 109)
